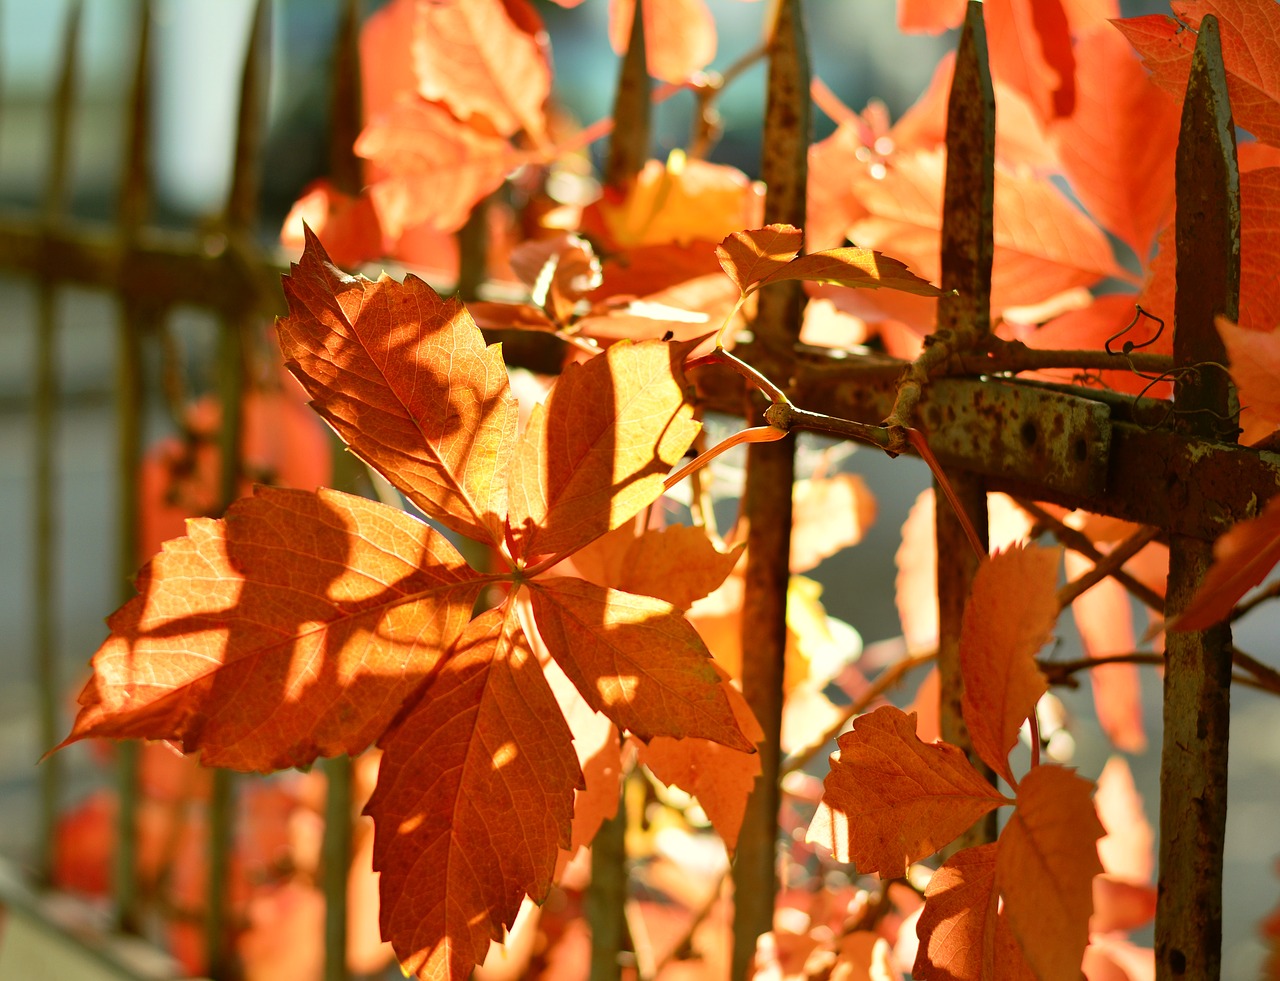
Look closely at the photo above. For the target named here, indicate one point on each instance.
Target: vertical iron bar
(770, 475)
(335, 865)
(967, 247)
(605, 904)
(629, 143)
(240, 218)
(46, 436)
(135, 208)
(345, 112)
(1197, 681)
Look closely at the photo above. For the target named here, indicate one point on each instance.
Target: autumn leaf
(1122, 173)
(1045, 867)
(473, 801)
(828, 514)
(1242, 557)
(963, 936)
(750, 256)
(406, 380)
(1029, 44)
(347, 226)
(433, 167)
(719, 777)
(598, 450)
(1247, 31)
(679, 35)
(484, 57)
(853, 266)
(636, 659)
(1010, 615)
(1105, 621)
(891, 799)
(930, 16)
(318, 614)
(1255, 367)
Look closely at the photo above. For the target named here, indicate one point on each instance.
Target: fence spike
(967, 247)
(136, 189)
(246, 173)
(770, 475)
(57, 190)
(346, 112)
(629, 142)
(1197, 681)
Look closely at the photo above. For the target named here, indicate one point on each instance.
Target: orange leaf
(1029, 44)
(828, 514)
(293, 628)
(1241, 559)
(1045, 868)
(750, 256)
(1044, 245)
(678, 564)
(598, 449)
(679, 35)
(484, 57)
(891, 800)
(930, 16)
(1127, 849)
(1105, 621)
(474, 800)
(963, 936)
(1122, 173)
(1255, 367)
(1247, 32)
(434, 168)
(1010, 615)
(852, 266)
(407, 381)
(636, 659)
(721, 778)
(347, 226)
(386, 59)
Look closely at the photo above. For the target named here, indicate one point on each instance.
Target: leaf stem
(756, 434)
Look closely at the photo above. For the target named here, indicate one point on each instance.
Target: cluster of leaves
(316, 623)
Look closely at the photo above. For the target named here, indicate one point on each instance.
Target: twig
(1258, 676)
(1078, 541)
(1271, 592)
(885, 680)
(1267, 676)
(1107, 565)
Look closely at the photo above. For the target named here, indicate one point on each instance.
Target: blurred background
(198, 48)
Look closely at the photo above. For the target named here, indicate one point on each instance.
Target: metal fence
(1071, 446)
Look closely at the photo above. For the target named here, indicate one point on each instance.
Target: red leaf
(434, 168)
(1010, 615)
(749, 257)
(679, 35)
(347, 226)
(1241, 559)
(636, 659)
(1247, 31)
(1255, 367)
(474, 800)
(963, 937)
(721, 778)
(930, 16)
(1127, 849)
(1045, 868)
(891, 800)
(1029, 44)
(828, 514)
(1044, 245)
(598, 449)
(296, 627)
(1105, 621)
(1122, 173)
(484, 57)
(371, 355)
